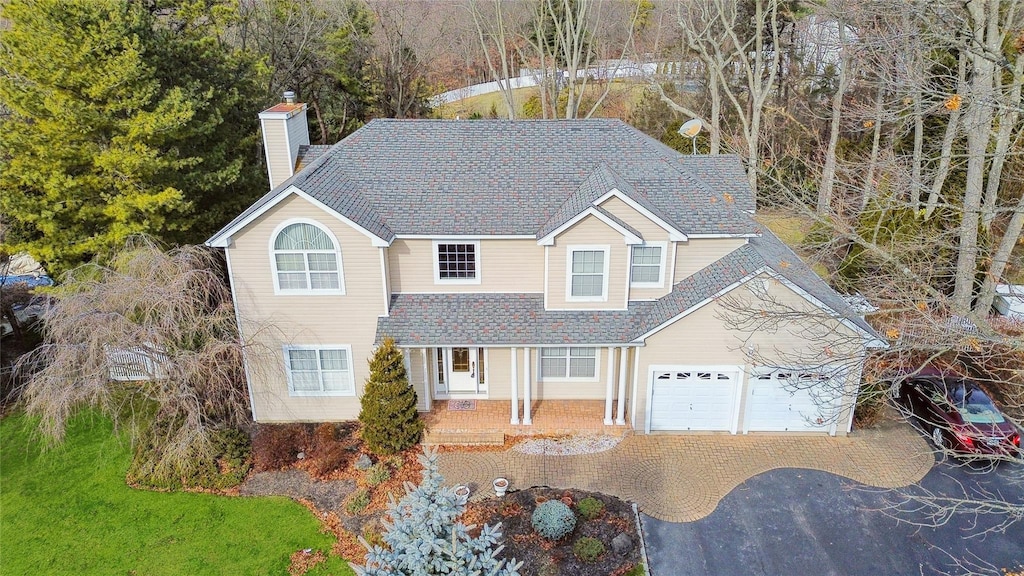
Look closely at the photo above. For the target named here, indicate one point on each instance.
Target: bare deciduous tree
(171, 310)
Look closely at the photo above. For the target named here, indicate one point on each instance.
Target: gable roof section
(499, 177)
(600, 184)
(348, 205)
(785, 263)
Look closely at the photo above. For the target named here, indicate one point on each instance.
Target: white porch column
(610, 388)
(527, 385)
(620, 414)
(426, 378)
(515, 387)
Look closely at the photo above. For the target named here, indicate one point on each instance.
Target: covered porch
(489, 421)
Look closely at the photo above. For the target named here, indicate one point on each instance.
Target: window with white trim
(647, 266)
(457, 262)
(588, 274)
(568, 363)
(305, 260)
(319, 371)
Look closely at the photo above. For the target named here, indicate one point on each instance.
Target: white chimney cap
(289, 97)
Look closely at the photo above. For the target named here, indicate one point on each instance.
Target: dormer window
(456, 262)
(647, 267)
(587, 274)
(306, 260)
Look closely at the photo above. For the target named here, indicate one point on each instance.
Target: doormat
(457, 405)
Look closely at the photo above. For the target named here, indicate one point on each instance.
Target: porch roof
(515, 319)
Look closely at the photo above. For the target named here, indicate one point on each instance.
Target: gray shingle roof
(308, 154)
(487, 177)
(520, 319)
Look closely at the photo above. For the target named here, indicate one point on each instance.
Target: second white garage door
(790, 401)
(693, 397)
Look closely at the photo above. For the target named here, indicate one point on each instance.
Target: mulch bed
(542, 557)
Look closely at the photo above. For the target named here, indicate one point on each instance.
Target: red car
(958, 414)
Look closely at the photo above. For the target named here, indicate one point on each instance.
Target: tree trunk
(869, 180)
(946, 154)
(828, 173)
(979, 124)
(1008, 114)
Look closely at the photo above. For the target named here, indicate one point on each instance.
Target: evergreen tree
(120, 122)
(424, 539)
(390, 421)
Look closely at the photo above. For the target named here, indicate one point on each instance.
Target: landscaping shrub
(588, 549)
(637, 570)
(325, 436)
(331, 458)
(357, 501)
(390, 420)
(553, 520)
(226, 465)
(589, 508)
(377, 474)
(871, 401)
(276, 446)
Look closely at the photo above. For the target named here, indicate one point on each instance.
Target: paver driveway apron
(681, 478)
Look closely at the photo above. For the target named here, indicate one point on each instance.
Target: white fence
(136, 364)
(604, 70)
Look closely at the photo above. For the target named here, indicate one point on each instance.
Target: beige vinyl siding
(588, 232)
(505, 266)
(697, 253)
(651, 232)
(278, 155)
(701, 339)
(272, 321)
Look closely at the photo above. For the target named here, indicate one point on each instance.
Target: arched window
(305, 259)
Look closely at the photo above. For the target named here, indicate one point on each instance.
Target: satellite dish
(690, 129)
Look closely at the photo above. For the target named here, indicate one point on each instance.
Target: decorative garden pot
(500, 486)
(462, 493)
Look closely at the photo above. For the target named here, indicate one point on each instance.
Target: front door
(463, 373)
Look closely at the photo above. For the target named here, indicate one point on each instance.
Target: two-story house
(523, 261)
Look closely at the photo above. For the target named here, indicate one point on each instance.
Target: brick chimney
(284, 130)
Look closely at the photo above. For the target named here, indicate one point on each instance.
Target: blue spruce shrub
(553, 520)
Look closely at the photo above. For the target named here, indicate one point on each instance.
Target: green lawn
(68, 511)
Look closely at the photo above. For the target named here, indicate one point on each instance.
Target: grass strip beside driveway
(68, 511)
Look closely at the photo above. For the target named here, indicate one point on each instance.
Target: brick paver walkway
(682, 478)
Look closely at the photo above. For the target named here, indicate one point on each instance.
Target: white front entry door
(463, 371)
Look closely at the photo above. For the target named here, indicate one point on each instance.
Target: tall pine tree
(119, 123)
(390, 421)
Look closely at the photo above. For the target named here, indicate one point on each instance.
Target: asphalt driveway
(797, 521)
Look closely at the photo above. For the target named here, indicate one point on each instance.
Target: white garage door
(693, 398)
(791, 401)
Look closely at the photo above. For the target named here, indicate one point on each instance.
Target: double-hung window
(568, 363)
(457, 262)
(647, 269)
(588, 274)
(306, 261)
(319, 371)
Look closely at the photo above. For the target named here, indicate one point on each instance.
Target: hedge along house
(532, 261)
